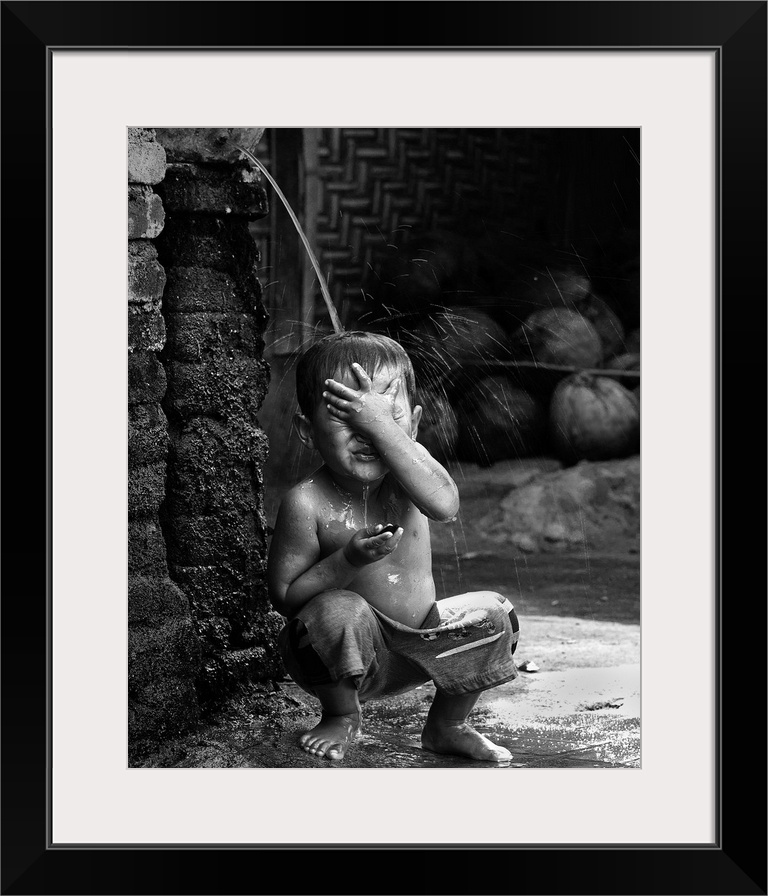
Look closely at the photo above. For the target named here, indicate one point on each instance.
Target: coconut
(605, 321)
(439, 428)
(593, 418)
(446, 342)
(498, 420)
(552, 286)
(558, 336)
(626, 361)
(632, 342)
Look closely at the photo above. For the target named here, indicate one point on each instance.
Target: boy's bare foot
(461, 739)
(331, 736)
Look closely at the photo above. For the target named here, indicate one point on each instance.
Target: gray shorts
(464, 645)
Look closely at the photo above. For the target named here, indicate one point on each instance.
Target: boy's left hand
(363, 409)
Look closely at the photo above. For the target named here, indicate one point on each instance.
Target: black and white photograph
(384, 409)
(367, 479)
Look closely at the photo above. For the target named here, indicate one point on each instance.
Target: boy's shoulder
(306, 493)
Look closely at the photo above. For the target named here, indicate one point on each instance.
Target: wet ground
(579, 612)
(585, 718)
(581, 709)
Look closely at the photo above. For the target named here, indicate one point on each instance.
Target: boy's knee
(335, 608)
(336, 599)
(502, 607)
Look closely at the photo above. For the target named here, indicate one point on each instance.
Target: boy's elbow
(448, 508)
(278, 599)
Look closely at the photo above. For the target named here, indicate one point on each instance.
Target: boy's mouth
(366, 455)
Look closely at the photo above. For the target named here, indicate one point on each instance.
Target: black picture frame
(736, 864)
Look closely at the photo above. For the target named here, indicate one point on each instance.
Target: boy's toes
(335, 752)
(500, 754)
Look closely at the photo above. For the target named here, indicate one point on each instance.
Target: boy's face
(347, 453)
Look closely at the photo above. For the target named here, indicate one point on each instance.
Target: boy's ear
(303, 428)
(415, 420)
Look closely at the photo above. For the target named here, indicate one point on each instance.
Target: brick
(225, 387)
(192, 335)
(146, 329)
(146, 157)
(146, 489)
(146, 378)
(206, 289)
(207, 242)
(215, 633)
(146, 276)
(231, 588)
(234, 490)
(207, 144)
(147, 434)
(146, 548)
(212, 539)
(161, 710)
(216, 467)
(200, 189)
(227, 672)
(155, 600)
(145, 213)
(210, 443)
(155, 652)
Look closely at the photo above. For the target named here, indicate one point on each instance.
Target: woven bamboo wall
(369, 196)
(377, 186)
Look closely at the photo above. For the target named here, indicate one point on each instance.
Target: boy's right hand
(371, 544)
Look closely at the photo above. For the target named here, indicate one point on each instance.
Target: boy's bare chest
(341, 516)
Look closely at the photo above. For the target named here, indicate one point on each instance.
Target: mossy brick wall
(164, 657)
(213, 516)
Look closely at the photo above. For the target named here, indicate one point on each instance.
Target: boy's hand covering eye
(371, 544)
(361, 408)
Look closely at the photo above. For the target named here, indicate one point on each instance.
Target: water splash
(335, 321)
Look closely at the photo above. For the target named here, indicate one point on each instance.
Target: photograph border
(736, 32)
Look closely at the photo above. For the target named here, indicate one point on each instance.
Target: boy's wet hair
(337, 352)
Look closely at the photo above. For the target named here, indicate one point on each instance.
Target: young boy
(350, 559)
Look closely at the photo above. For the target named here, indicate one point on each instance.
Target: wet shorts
(465, 644)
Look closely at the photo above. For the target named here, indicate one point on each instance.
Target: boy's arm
(295, 572)
(426, 482)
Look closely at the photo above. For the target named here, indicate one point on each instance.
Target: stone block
(215, 634)
(146, 157)
(198, 189)
(147, 434)
(216, 467)
(193, 335)
(146, 489)
(197, 289)
(146, 277)
(206, 443)
(207, 242)
(161, 710)
(265, 627)
(209, 540)
(147, 380)
(229, 388)
(232, 588)
(224, 674)
(217, 145)
(157, 652)
(155, 600)
(234, 490)
(146, 329)
(145, 213)
(146, 548)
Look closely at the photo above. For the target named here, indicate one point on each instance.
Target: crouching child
(350, 562)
